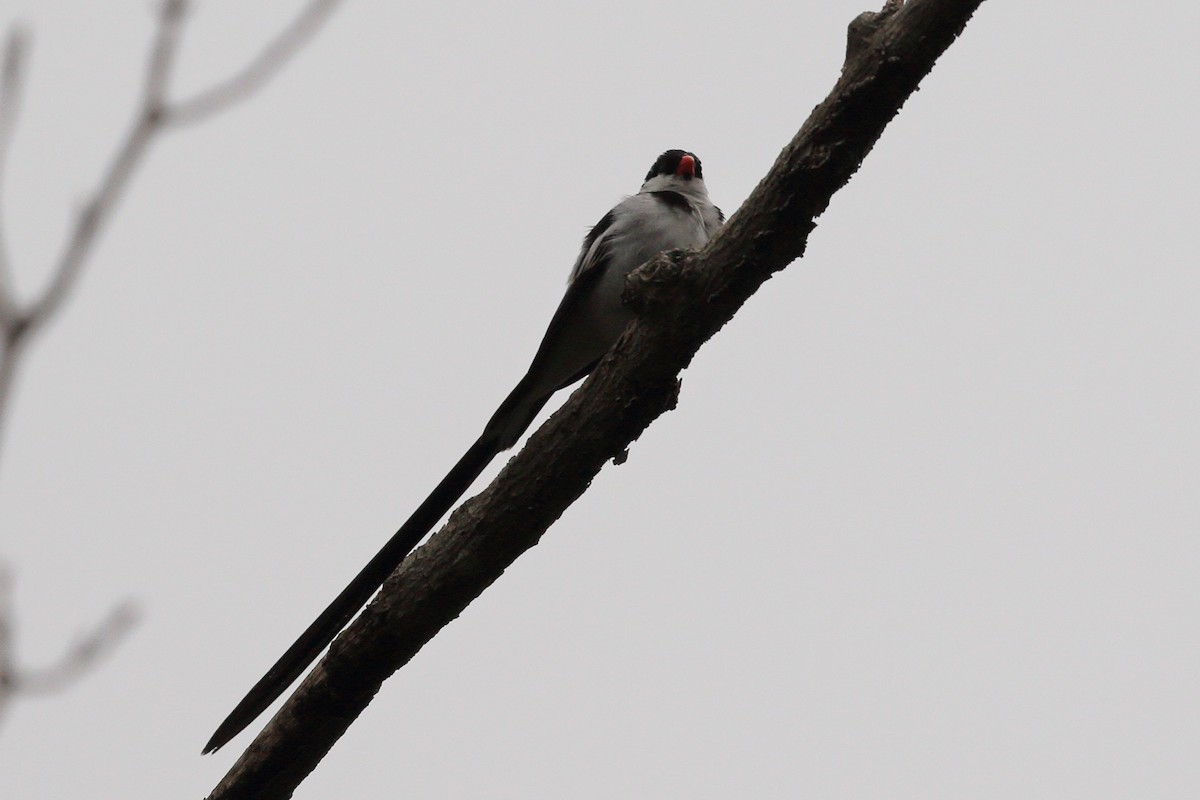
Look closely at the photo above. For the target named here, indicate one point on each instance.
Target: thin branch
(99, 205)
(11, 76)
(96, 209)
(8, 658)
(79, 658)
(162, 57)
(682, 299)
(9, 355)
(154, 114)
(250, 79)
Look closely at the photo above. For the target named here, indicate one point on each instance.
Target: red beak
(686, 168)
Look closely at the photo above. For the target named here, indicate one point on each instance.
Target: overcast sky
(925, 523)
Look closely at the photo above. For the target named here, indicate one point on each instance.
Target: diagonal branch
(682, 300)
(100, 204)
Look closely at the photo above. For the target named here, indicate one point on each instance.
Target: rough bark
(682, 299)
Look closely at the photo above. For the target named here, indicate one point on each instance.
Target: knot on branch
(156, 113)
(657, 283)
(16, 329)
(173, 10)
(863, 28)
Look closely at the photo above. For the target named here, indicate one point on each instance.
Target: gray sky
(924, 524)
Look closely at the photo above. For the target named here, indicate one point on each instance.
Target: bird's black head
(677, 162)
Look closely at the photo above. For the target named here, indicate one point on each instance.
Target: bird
(671, 211)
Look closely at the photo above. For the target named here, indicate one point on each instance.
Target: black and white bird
(671, 211)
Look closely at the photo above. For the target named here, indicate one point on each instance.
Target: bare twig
(260, 70)
(162, 58)
(99, 205)
(8, 656)
(81, 655)
(154, 114)
(8, 368)
(79, 658)
(10, 100)
(682, 299)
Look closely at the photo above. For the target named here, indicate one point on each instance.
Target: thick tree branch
(682, 300)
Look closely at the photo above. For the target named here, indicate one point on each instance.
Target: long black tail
(321, 632)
